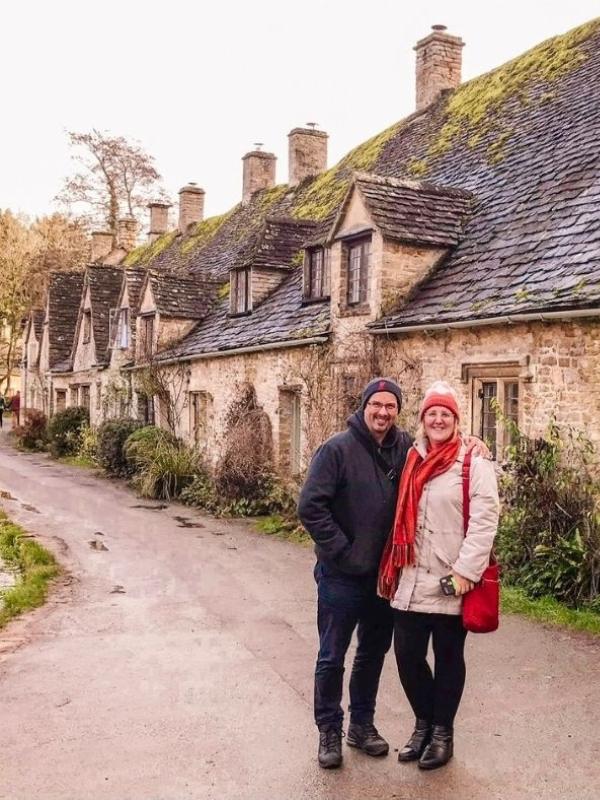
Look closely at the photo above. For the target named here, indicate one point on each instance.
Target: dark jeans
(346, 602)
(432, 696)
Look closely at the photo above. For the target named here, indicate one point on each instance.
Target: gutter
(549, 316)
(257, 348)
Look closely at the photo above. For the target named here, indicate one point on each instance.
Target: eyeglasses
(391, 408)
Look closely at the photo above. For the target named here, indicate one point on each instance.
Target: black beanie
(381, 385)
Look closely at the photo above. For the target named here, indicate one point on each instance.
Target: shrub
(88, 444)
(163, 466)
(111, 437)
(64, 430)
(549, 533)
(32, 434)
(140, 445)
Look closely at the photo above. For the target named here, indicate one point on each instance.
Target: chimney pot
(307, 153)
(102, 245)
(127, 233)
(191, 206)
(159, 220)
(439, 65)
(259, 173)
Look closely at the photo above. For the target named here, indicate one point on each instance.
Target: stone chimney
(307, 153)
(159, 220)
(439, 63)
(191, 206)
(126, 233)
(102, 244)
(259, 173)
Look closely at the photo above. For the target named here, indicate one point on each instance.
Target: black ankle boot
(417, 743)
(439, 750)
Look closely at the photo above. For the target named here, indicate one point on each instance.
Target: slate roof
(279, 318)
(522, 140)
(37, 320)
(412, 211)
(64, 295)
(278, 243)
(180, 296)
(105, 287)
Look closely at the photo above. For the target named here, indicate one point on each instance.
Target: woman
(428, 543)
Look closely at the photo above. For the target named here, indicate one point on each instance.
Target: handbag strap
(466, 476)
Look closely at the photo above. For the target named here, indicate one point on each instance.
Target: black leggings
(433, 696)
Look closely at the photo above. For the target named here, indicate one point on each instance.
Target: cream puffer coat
(441, 545)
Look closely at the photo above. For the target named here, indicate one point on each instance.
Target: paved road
(175, 662)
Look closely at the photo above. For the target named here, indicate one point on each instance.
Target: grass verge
(34, 566)
(549, 611)
(78, 461)
(281, 528)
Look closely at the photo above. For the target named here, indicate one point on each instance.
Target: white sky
(198, 83)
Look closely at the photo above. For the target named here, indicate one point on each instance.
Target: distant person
(15, 407)
(428, 544)
(2, 408)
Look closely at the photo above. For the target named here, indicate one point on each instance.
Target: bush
(88, 444)
(111, 437)
(64, 430)
(32, 434)
(163, 467)
(549, 533)
(140, 445)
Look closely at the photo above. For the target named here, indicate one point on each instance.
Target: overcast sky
(198, 83)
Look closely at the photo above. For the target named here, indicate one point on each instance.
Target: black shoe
(417, 743)
(366, 737)
(330, 748)
(439, 750)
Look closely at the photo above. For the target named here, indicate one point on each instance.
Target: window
(147, 326)
(290, 430)
(495, 403)
(316, 274)
(112, 317)
(146, 409)
(199, 406)
(61, 399)
(73, 395)
(357, 257)
(87, 326)
(122, 338)
(240, 291)
(98, 395)
(84, 398)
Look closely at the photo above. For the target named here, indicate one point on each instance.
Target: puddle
(6, 495)
(188, 522)
(95, 544)
(27, 507)
(118, 589)
(151, 508)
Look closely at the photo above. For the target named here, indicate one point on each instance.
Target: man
(347, 505)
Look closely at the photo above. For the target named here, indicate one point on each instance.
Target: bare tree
(19, 248)
(63, 245)
(167, 383)
(114, 176)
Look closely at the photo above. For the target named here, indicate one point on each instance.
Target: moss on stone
(474, 107)
(203, 232)
(148, 252)
(417, 167)
(319, 198)
(224, 290)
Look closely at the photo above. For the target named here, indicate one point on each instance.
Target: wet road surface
(175, 661)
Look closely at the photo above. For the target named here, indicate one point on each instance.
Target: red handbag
(480, 606)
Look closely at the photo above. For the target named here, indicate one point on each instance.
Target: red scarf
(399, 550)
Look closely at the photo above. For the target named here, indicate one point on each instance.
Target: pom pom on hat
(442, 394)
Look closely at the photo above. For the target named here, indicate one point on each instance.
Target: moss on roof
(320, 197)
(474, 107)
(148, 252)
(203, 232)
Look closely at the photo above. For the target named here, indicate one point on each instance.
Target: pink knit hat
(442, 394)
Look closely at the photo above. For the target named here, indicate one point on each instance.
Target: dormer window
(87, 326)
(240, 291)
(358, 259)
(316, 274)
(147, 332)
(122, 339)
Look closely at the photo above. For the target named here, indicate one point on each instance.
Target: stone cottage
(461, 243)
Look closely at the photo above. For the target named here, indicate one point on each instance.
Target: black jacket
(347, 502)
